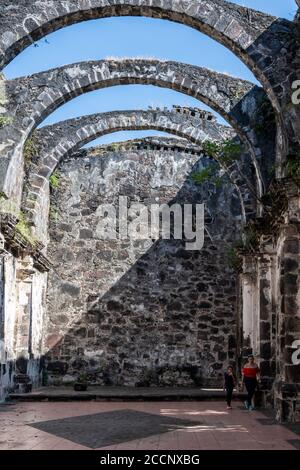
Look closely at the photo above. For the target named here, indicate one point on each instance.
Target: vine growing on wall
(31, 149)
(54, 183)
(227, 151)
(54, 180)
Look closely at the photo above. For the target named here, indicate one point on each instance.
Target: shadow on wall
(138, 313)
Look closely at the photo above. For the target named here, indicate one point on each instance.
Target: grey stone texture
(61, 139)
(139, 312)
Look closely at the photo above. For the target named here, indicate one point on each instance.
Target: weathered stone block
(85, 233)
(70, 289)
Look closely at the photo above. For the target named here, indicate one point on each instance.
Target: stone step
(122, 394)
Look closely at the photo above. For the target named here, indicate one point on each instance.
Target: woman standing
(250, 374)
(229, 384)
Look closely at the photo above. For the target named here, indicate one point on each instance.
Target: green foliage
(250, 240)
(227, 151)
(271, 169)
(54, 180)
(293, 170)
(208, 174)
(212, 149)
(231, 151)
(45, 378)
(30, 149)
(204, 175)
(5, 120)
(149, 377)
(82, 377)
(218, 180)
(22, 227)
(233, 258)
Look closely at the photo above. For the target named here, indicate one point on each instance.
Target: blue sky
(134, 37)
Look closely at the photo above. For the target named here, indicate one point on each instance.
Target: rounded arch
(257, 38)
(44, 92)
(63, 138)
(236, 27)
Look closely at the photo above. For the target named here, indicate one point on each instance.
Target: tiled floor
(139, 425)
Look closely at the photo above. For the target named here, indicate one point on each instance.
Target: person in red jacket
(251, 377)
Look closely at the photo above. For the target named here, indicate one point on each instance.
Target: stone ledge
(16, 243)
(123, 394)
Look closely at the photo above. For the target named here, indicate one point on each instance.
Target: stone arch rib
(44, 92)
(27, 21)
(260, 40)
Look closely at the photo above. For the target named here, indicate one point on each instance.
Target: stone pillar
(24, 277)
(30, 291)
(8, 316)
(259, 313)
(250, 307)
(2, 319)
(23, 330)
(267, 311)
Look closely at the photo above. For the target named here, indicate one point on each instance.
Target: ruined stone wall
(158, 314)
(22, 321)
(137, 312)
(53, 143)
(22, 301)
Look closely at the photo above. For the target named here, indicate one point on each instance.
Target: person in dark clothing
(229, 384)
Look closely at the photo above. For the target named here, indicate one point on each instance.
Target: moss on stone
(24, 229)
(5, 121)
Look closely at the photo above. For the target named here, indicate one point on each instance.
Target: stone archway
(238, 101)
(63, 138)
(239, 28)
(244, 31)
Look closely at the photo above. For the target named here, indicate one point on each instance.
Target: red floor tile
(211, 427)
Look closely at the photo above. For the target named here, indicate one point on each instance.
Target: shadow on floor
(110, 428)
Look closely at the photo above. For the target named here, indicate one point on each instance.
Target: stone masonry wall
(137, 312)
